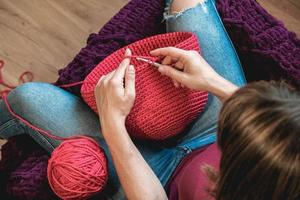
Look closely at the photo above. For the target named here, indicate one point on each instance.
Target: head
(259, 137)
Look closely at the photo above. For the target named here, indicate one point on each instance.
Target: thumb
(130, 81)
(173, 73)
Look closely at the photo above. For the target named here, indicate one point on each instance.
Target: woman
(142, 167)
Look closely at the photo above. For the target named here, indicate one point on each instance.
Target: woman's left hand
(115, 92)
(115, 95)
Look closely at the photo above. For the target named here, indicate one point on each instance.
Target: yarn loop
(26, 76)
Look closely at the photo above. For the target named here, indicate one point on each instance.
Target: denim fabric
(218, 51)
(64, 114)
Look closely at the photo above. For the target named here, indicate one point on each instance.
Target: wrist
(112, 121)
(221, 87)
(115, 135)
(112, 115)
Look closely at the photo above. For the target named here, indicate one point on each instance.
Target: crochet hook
(155, 64)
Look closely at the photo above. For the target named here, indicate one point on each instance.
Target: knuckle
(101, 80)
(113, 82)
(171, 73)
(130, 96)
(98, 86)
(122, 63)
(104, 81)
(169, 48)
(131, 77)
(166, 72)
(130, 74)
(104, 84)
(184, 78)
(193, 52)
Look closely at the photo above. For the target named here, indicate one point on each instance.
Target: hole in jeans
(180, 6)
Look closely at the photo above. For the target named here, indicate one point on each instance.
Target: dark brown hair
(259, 137)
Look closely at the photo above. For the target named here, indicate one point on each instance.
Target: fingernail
(127, 51)
(131, 68)
(156, 64)
(160, 69)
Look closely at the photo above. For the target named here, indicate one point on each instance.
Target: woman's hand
(115, 92)
(189, 69)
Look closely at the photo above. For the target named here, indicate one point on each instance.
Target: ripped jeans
(58, 111)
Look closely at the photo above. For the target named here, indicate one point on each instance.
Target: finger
(120, 71)
(100, 81)
(170, 51)
(130, 81)
(179, 65)
(108, 76)
(167, 60)
(173, 73)
(176, 84)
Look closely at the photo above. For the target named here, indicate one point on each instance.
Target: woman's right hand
(186, 68)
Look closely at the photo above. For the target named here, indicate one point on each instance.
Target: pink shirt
(189, 182)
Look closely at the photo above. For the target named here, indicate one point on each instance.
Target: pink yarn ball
(77, 169)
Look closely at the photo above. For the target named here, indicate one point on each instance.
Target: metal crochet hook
(155, 64)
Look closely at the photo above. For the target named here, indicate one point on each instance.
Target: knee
(27, 91)
(24, 96)
(181, 5)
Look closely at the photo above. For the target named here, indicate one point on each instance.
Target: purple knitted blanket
(267, 51)
(23, 170)
(137, 20)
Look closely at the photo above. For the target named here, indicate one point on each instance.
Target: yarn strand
(77, 168)
(5, 99)
(30, 77)
(4, 93)
(21, 80)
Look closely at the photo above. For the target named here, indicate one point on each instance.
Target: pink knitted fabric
(160, 110)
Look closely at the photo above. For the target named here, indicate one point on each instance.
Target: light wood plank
(43, 36)
(286, 11)
(295, 3)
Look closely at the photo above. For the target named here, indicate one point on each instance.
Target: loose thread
(21, 80)
(5, 99)
(72, 84)
(4, 96)
(30, 77)
(84, 170)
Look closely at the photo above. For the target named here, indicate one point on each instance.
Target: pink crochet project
(160, 110)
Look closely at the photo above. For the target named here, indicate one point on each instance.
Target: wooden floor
(44, 35)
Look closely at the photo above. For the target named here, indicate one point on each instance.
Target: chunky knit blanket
(266, 48)
(137, 20)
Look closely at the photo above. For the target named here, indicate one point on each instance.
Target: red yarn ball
(160, 110)
(77, 169)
